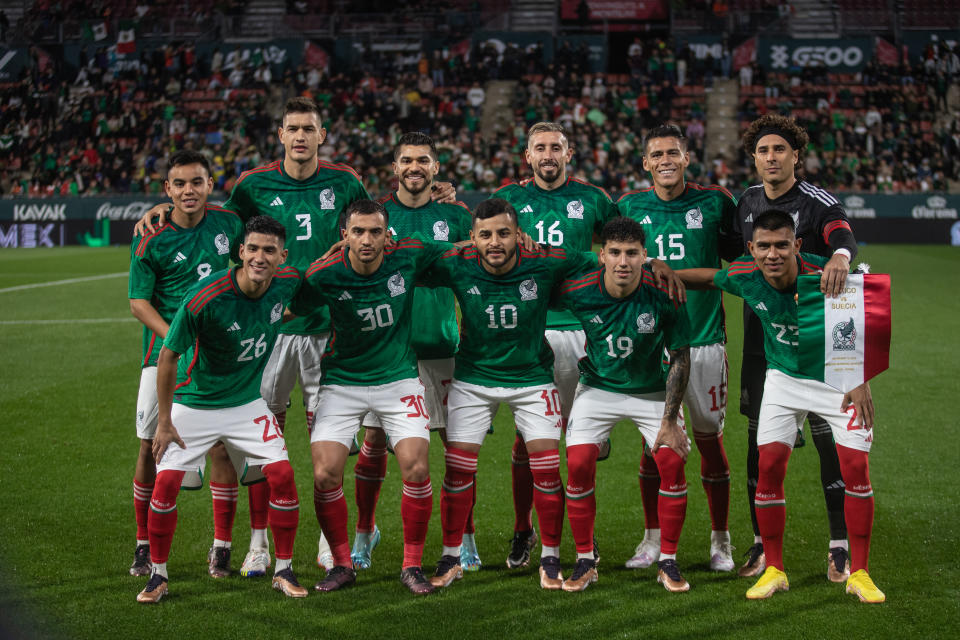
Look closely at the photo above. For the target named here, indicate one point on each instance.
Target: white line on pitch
(53, 283)
(69, 321)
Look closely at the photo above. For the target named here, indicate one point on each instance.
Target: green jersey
(625, 336)
(309, 210)
(225, 338)
(566, 217)
(434, 313)
(372, 316)
(503, 317)
(777, 310)
(166, 263)
(685, 233)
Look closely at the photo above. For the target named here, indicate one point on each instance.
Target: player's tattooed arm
(146, 224)
(166, 381)
(671, 434)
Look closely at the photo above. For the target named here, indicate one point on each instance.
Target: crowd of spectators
(109, 129)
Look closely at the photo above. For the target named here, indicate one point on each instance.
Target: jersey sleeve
(431, 253)
(142, 279)
(678, 331)
(834, 227)
(576, 262)
(356, 190)
(730, 240)
(726, 279)
(241, 202)
(184, 329)
(606, 211)
(310, 296)
(440, 271)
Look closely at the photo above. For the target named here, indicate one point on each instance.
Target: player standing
(230, 322)
(685, 224)
(196, 242)
(629, 323)
(767, 281)
(776, 144)
(370, 366)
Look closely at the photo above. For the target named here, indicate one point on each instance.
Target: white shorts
(471, 408)
(596, 411)
(147, 408)
(294, 357)
(568, 348)
(436, 376)
(706, 395)
(397, 405)
(786, 402)
(249, 432)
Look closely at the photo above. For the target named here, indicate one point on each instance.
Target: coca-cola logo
(129, 211)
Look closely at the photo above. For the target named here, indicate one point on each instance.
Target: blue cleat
(469, 558)
(363, 545)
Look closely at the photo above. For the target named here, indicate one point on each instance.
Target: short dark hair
(547, 127)
(301, 105)
(772, 220)
(363, 207)
(494, 207)
(188, 156)
(622, 229)
(267, 226)
(415, 139)
(665, 131)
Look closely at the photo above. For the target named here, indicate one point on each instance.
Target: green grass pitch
(69, 381)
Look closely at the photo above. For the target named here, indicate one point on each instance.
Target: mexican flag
(844, 341)
(126, 39)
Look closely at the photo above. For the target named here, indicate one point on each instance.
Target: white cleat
(256, 563)
(721, 556)
(647, 553)
(324, 554)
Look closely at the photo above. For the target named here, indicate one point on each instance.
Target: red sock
(259, 495)
(224, 509)
(715, 476)
(649, 490)
(455, 496)
(162, 521)
(673, 498)
(470, 527)
(581, 499)
(771, 501)
(416, 505)
(857, 504)
(370, 470)
(141, 507)
(281, 417)
(331, 509)
(284, 515)
(522, 487)
(548, 495)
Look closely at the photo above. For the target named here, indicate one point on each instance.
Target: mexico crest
(528, 289)
(396, 285)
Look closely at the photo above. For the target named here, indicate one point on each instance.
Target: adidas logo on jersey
(527, 209)
(749, 218)
(474, 290)
(277, 202)
(179, 257)
(761, 307)
(345, 296)
(596, 320)
(234, 327)
(646, 220)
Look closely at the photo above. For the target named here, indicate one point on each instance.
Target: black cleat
(337, 578)
(141, 561)
(413, 579)
(523, 543)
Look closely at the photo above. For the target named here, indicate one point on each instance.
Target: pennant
(99, 31)
(127, 40)
(844, 341)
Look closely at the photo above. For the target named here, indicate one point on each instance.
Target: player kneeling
(230, 322)
(628, 322)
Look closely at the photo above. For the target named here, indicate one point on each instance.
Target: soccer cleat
(721, 556)
(860, 585)
(584, 574)
(596, 552)
(469, 558)
(156, 588)
(800, 441)
(770, 582)
(218, 561)
(756, 561)
(668, 574)
(256, 563)
(141, 561)
(363, 545)
(550, 577)
(413, 579)
(605, 447)
(324, 554)
(645, 555)
(337, 578)
(286, 583)
(448, 570)
(523, 543)
(838, 565)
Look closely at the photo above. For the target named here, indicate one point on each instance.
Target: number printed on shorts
(268, 422)
(719, 397)
(379, 316)
(552, 399)
(852, 423)
(416, 404)
(259, 347)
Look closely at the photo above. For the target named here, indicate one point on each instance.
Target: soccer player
(414, 214)
(196, 242)
(370, 366)
(684, 225)
(629, 323)
(503, 291)
(776, 144)
(559, 211)
(767, 281)
(230, 322)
